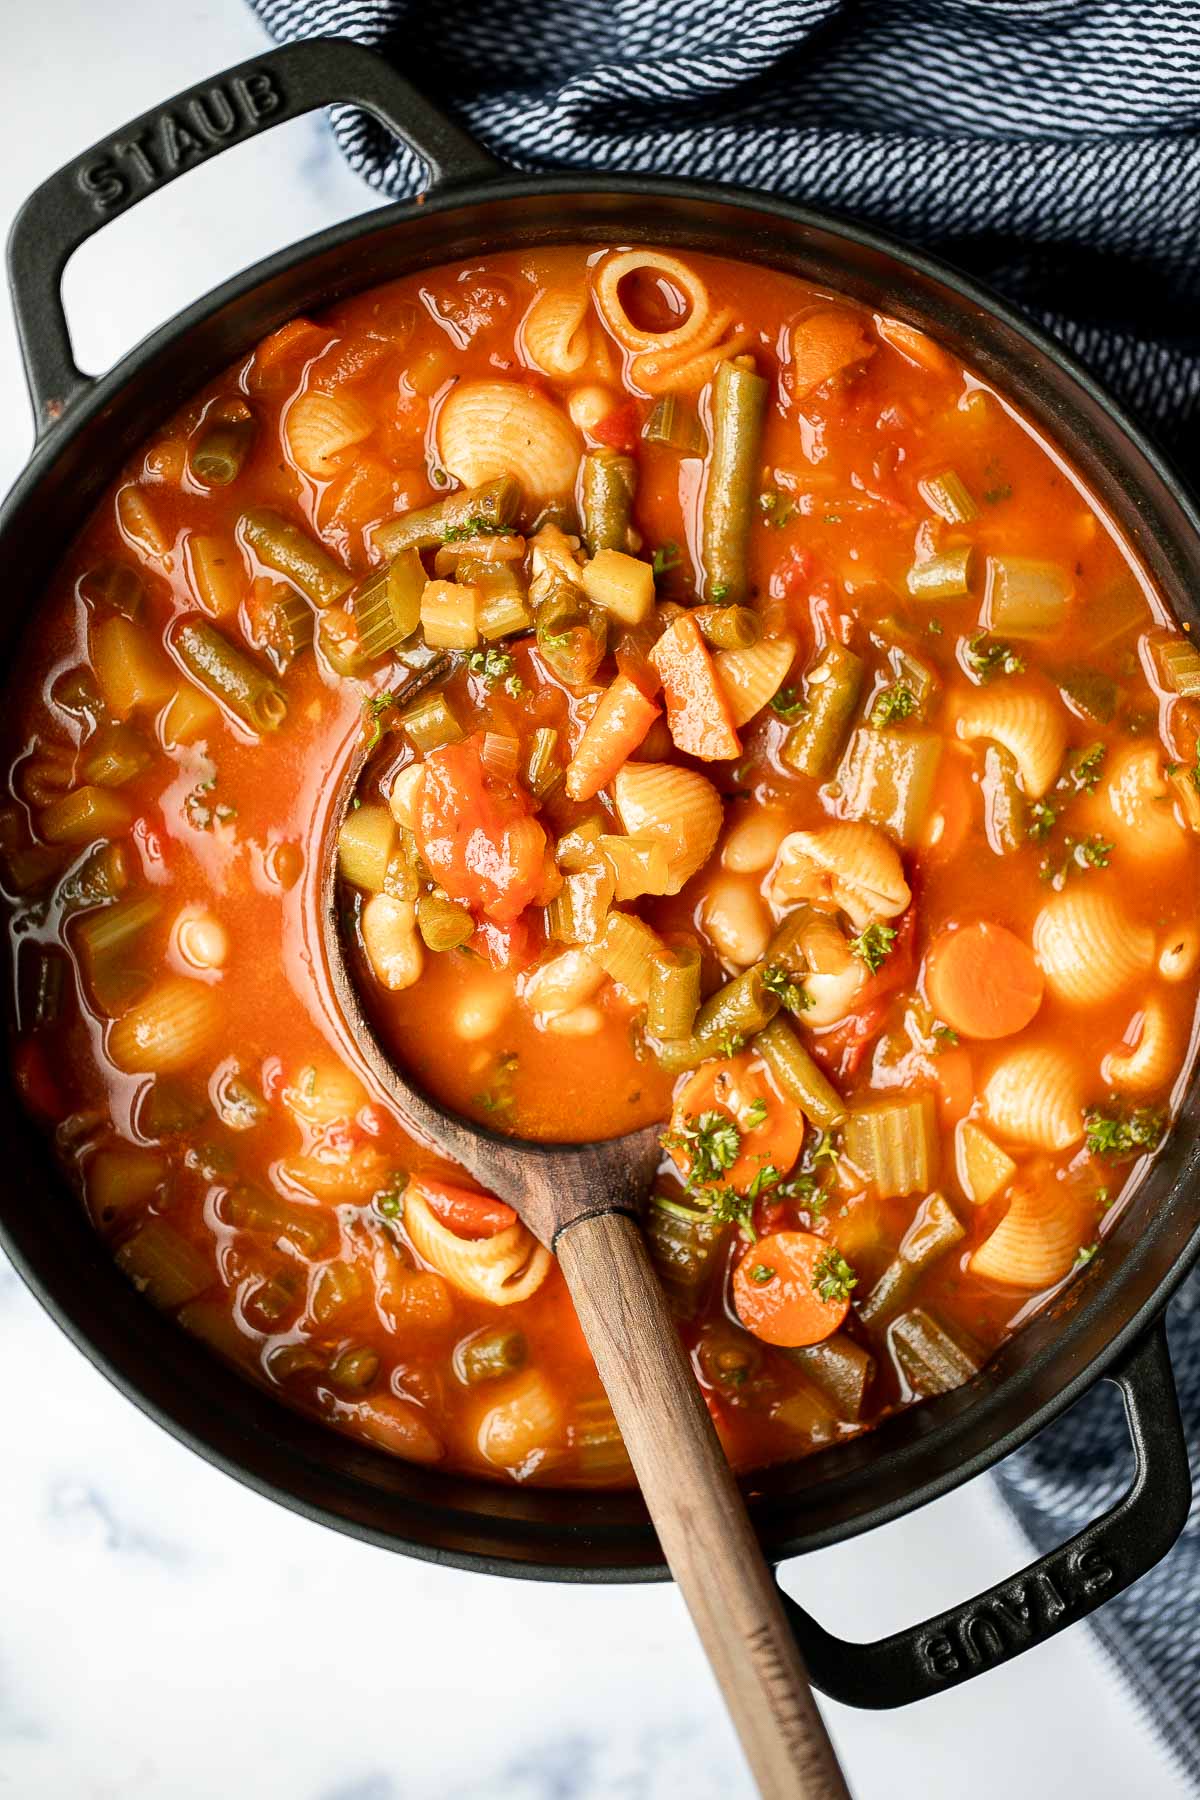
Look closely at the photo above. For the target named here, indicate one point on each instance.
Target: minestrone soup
(809, 769)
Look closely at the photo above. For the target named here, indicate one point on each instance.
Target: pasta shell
(487, 429)
(319, 426)
(754, 676)
(502, 1270)
(324, 1094)
(141, 526)
(1089, 950)
(1146, 1064)
(613, 271)
(1036, 1242)
(554, 332)
(526, 1422)
(686, 371)
(677, 805)
(349, 1175)
(853, 865)
(173, 1027)
(1036, 1096)
(1029, 725)
(1134, 807)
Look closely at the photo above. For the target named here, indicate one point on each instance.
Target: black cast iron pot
(1109, 1321)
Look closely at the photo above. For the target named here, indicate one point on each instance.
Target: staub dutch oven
(1107, 1324)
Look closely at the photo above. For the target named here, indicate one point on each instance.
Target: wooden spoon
(582, 1201)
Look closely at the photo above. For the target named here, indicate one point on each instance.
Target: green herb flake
(756, 1114)
(833, 1278)
(893, 704)
(792, 995)
(775, 508)
(667, 557)
(946, 1035)
(1085, 1255)
(761, 1273)
(710, 1141)
(1124, 1134)
(491, 665)
(987, 657)
(874, 945)
(787, 704)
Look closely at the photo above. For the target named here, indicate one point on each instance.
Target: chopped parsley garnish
(946, 1036)
(874, 945)
(787, 704)
(1085, 1255)
(374, 708)
(476, 526)
(893, 703)
(833, 1278)
(666, 558)
(763, 1181)
(710, 1141)
(727, 1207)
(761, 1273)
(934, 627)
(1082, 771)
(987, 657)
(792, 995)
(993, 495)
(756, 1114)
(718, 591)
(390, 1202)
(492, 665)
(775, 507)
(732, 1044)
(1042, 819)
(1082, 854)
(1124, 1134)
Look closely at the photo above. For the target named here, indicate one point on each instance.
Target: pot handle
(143, 156)
(1066, 1584)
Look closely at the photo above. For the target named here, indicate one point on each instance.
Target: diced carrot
(823, 343)
(955, 1078)
(740, 1089)
(299, 338)
(912, 344)
(464, 1210)
(777, 1289)
(612, 734)
(982, 980)
(697, 706)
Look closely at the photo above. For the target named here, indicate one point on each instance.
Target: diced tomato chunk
(463, 1209)
(478, 836)
(619, 429)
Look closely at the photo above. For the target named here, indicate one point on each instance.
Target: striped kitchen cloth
(1049, 147)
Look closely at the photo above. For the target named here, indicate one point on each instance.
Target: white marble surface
(165, 1634)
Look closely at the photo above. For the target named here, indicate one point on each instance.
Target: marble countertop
(168, 1635)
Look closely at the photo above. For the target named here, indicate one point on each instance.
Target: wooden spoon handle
(697, 1509)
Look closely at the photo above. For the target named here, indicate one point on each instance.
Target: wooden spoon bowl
(582, 1200)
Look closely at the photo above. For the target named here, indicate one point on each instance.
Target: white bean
(201, 941)
(581, 1021)
(566, 981)
(753, 844)
(405, 797)
(735, 918)
(588, 405)
(480, 1010)
(392, 942)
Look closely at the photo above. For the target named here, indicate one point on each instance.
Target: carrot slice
(464, 1210)
(779, 1284)
(912, 344)
(955, 1077)
(740, 1090)
(982, 980)
(822, 344)
(611, 735)
(698, 712)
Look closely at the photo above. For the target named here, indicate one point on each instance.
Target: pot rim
(91, 401)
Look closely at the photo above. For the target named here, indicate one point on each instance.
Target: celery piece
(894, 1143)
(886, 777)
(931, 1359)
(1025, 598)
(934, 1231)
(685, 1244)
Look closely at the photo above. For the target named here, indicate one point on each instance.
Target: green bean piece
(949, 497)
(169, 1109)
(219, 451)
(286, 630)
(354, 1368)
(786, 949)
(931, 1358)
(731, 1360)
(471, 512)
(945, 577)
(798, 1075)
(894, 1143)
(489, 1354)
(739, 403)
(387, 605)
(273, 1300)
(599, 1447)
(685, 1244)
(101, 876)
(674, 992)
(608, 483)
(831, 691)
(1091, 692)
(842, 1370)
(114, 755)
(430, 723)
(338, 1285)
(673, 421)
(735, 1013)
(572, 635)
(114, 587)
(543, 767)
(443, 924)
(106, 937)
(306, 1228)
(729, 627)
(228, 674)
(1005, 815)
(935, 1230)
(912, 672)
(284, 547)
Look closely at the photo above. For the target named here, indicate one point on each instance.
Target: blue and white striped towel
(1051, 147)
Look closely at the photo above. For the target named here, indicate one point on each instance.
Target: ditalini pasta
(815, 778)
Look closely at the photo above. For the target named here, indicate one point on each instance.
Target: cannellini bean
(566, 981)
(405, 797)
(392, 942)
(581, 1021)
(201, 941)
(480, 1010)
(1178, 953)
(734, 916)
(753, 844)
(588, 405)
